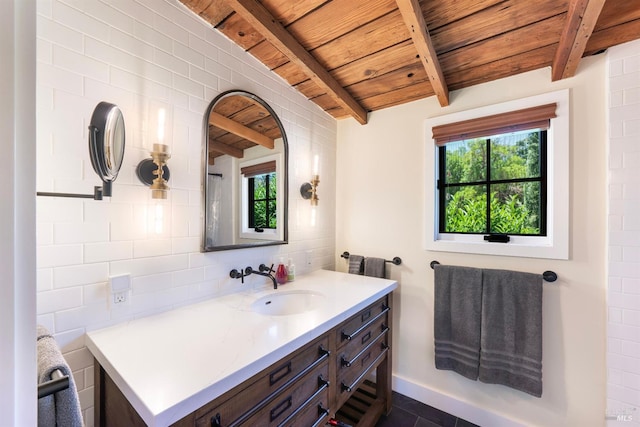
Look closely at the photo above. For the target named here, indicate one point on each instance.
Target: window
(494, 185)
(496, 170)
(262, 206)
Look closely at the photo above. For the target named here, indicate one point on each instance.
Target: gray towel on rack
(511, 338)
(374, 267)
(457, 309)
(355, 264)
(61, 409)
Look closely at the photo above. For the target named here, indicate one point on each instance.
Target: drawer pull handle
(280, 373)
(215, 421)
(322, 384)
(348, 363)
(322, 413)
(323, 354)
(365, 315)
(280, 408)
(349, 337)
(344, 387)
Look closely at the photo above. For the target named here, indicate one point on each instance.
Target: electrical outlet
(308, 258)
(119, 287)
(119, 297)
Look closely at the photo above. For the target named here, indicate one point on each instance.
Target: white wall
(17, 214)
(623, 332)
(380, 206)
(132, 53)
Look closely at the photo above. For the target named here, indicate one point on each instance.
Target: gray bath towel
(457, 309)
(61, 409)
(374, 267)
(511, 338)
(355, 264)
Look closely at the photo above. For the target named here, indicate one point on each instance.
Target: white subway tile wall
(623, 349)
(134, 53)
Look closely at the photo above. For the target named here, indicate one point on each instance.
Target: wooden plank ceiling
(351, 57)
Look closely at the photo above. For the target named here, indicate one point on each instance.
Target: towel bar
(57, 383)
(548, 276)
(395, 261)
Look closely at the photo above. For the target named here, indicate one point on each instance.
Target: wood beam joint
(413, 18)
(580, 22)
(272, 30)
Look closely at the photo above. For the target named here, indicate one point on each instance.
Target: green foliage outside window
(264, 201)
(515, 205)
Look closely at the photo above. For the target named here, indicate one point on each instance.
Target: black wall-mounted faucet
(265, 271)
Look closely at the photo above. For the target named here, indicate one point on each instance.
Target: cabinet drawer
(357, 347)
(370, 356)
(287, 407)
(357, 325)
(256, 394)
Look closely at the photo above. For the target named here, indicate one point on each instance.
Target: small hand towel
(511, 338)
(355, 264)
(374, 267)
(61, 409)
(457, 309)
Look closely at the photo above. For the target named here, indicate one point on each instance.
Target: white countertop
(170, 364)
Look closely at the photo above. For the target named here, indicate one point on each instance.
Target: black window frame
(487, 182)
(270, 201)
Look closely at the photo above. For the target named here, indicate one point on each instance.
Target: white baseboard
(451, 405)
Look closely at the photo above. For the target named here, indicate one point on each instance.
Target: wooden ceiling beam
(580, 22)
(239, 129)
(264, 22)
(412, 16)
(223, 148)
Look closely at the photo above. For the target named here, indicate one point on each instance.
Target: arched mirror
(245, 174)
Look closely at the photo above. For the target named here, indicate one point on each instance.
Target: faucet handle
(235, 274)
(248, 270)
(264, 268)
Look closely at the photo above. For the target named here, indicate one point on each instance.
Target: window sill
(518, 247)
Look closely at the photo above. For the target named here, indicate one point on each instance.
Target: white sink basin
(284, 303)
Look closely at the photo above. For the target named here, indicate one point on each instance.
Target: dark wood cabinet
(312, 384)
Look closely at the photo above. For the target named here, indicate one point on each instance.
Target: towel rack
(57, 383)
(395, 261)
(548, 276)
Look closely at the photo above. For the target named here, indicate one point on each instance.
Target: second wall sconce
(308, 190)
(154, 171)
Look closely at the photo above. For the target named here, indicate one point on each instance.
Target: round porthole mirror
(106, 143)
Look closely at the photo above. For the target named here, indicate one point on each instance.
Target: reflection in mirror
(245, 181)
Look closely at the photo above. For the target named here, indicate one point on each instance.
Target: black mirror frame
(102, 123)
(205, 156)
(106, 117)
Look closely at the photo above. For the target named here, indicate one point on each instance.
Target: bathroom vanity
(313, 349)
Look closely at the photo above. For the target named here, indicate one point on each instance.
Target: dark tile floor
(407, 412)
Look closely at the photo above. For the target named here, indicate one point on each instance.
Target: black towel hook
(548, 276)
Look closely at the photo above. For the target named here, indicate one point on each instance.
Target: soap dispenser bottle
(281, 272)
(291, 271)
